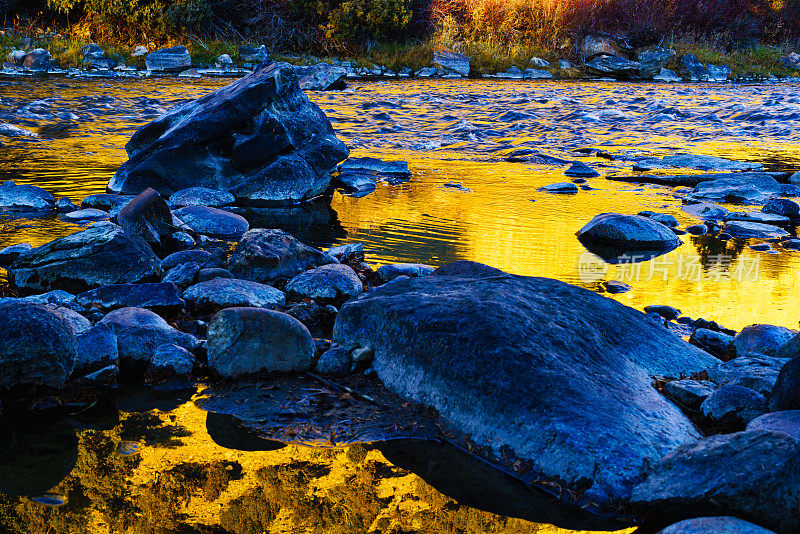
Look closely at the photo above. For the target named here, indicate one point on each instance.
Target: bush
(363, 20)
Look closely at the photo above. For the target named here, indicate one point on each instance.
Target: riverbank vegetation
(749, 35)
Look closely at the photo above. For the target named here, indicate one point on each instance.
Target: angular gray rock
(652, 61)
(333, 283)
(244, 341)
(452, 62)
(94, 57)
(174, 59)
(696, 161)
(37, 59)
(106, 202)
(706, 211)
(613, 66)
(762, 338)
(754, 475)
(182, 275)
(158, 297)
(783, 207)
(321, 77)
(376, 167)
(753, 230)
(758, 217)
(147, 215)
(579, 169)
(83, 216)
(259, 138)
(558, 374)
(536, 74)
(213, 222)
(37, 346)
(690, 69)
(201, 196)
(632, 232)
(250, 54)
(688, 392)
(140, 332)
(716, 343)
(714, 525)
(387, 273)
(755, 371)
(103, 254)
(718, 74)
(734, 406)
(171, 364)
(265, 255)
(786, 392)
(742, 188)
(201, 257)
(217, 293)
(25, 197)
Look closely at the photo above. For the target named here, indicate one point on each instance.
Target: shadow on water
(35, 456)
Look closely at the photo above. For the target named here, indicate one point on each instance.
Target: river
(498, 142)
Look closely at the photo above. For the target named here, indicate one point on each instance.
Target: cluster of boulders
(612, 57)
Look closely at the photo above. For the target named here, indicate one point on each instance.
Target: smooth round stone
(213, 222)
(782, 206)
(696, 229)
(334, 282)
(387, 273)
(230, 292)
(335, 362)
(714, 525)
(244, 341)
(201, 196)
(787, 421)
(734, 403)
(666, 219)
(757, 217)
(37, 346)
(628, 231)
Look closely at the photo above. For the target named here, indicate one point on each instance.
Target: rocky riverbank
(600, 56)
(597, 414)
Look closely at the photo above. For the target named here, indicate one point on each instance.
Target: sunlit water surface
(464, 132)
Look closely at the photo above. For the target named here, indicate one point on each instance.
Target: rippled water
(500, 139)
(173, 466)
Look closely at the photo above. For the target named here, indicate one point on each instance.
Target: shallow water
(448, 131)
(464, 132)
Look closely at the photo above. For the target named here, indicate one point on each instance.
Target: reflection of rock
(35, 457)
(315, 223)
(450, 346)
(461, 476)
(227, 431)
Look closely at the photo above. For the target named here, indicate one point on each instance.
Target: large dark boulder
(558, 374)
(259, 138)
(632, 232)
(613, 66)
(741, 188)
(652, 61)
(103, 254)
(754, 475)
(265, 255)
(37, 346)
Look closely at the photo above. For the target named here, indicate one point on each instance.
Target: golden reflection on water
(181, 480)
(504, 221)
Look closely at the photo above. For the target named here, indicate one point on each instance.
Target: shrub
(360, 20)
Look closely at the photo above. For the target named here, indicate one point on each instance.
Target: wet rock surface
(283, 146)
(424, 360)
(103, 254)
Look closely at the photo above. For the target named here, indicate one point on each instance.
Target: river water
(500, 141)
